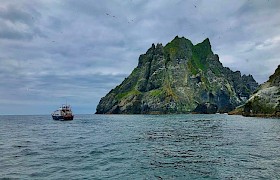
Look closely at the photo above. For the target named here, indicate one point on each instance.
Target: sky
(67, 51)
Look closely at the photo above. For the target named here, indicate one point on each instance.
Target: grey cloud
(18, 14)
(19, 23)
(14, 32)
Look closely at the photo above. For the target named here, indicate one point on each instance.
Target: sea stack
(179, 78)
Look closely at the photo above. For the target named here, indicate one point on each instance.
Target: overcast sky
(55, 51)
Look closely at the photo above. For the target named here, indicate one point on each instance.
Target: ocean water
(140, 147)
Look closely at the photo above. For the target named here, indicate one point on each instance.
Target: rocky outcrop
(177, 78)
(266, 101)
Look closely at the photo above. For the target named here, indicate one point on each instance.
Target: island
(179, 77)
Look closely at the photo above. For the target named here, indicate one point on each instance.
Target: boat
(64, 113)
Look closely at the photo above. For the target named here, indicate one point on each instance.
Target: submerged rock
(176, 78)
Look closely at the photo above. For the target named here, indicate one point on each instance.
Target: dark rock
(206, 108)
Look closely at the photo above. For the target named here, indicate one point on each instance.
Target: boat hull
(63, 118)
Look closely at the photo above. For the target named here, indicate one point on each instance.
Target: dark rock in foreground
(176, 78)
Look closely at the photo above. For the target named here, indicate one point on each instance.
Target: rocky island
(179, 77)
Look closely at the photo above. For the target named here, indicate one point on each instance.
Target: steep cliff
(177, 78)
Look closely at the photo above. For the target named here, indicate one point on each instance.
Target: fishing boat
(64, 113)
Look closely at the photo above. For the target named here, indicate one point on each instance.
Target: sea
(187, 146)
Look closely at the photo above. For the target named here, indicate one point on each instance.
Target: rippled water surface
(140, 147)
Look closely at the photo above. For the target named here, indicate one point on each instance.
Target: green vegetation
(202, 50)
(178, 48)
(133, 92)
(156, 92)
(216, 71)
(200, 54)
(199, 63)
(192, 68)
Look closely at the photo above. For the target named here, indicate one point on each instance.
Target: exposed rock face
(176, 78)
(266, 101)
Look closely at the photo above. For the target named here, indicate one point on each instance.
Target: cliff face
(266, 101)
(176, 78)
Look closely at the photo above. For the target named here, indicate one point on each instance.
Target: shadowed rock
(206, 108)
